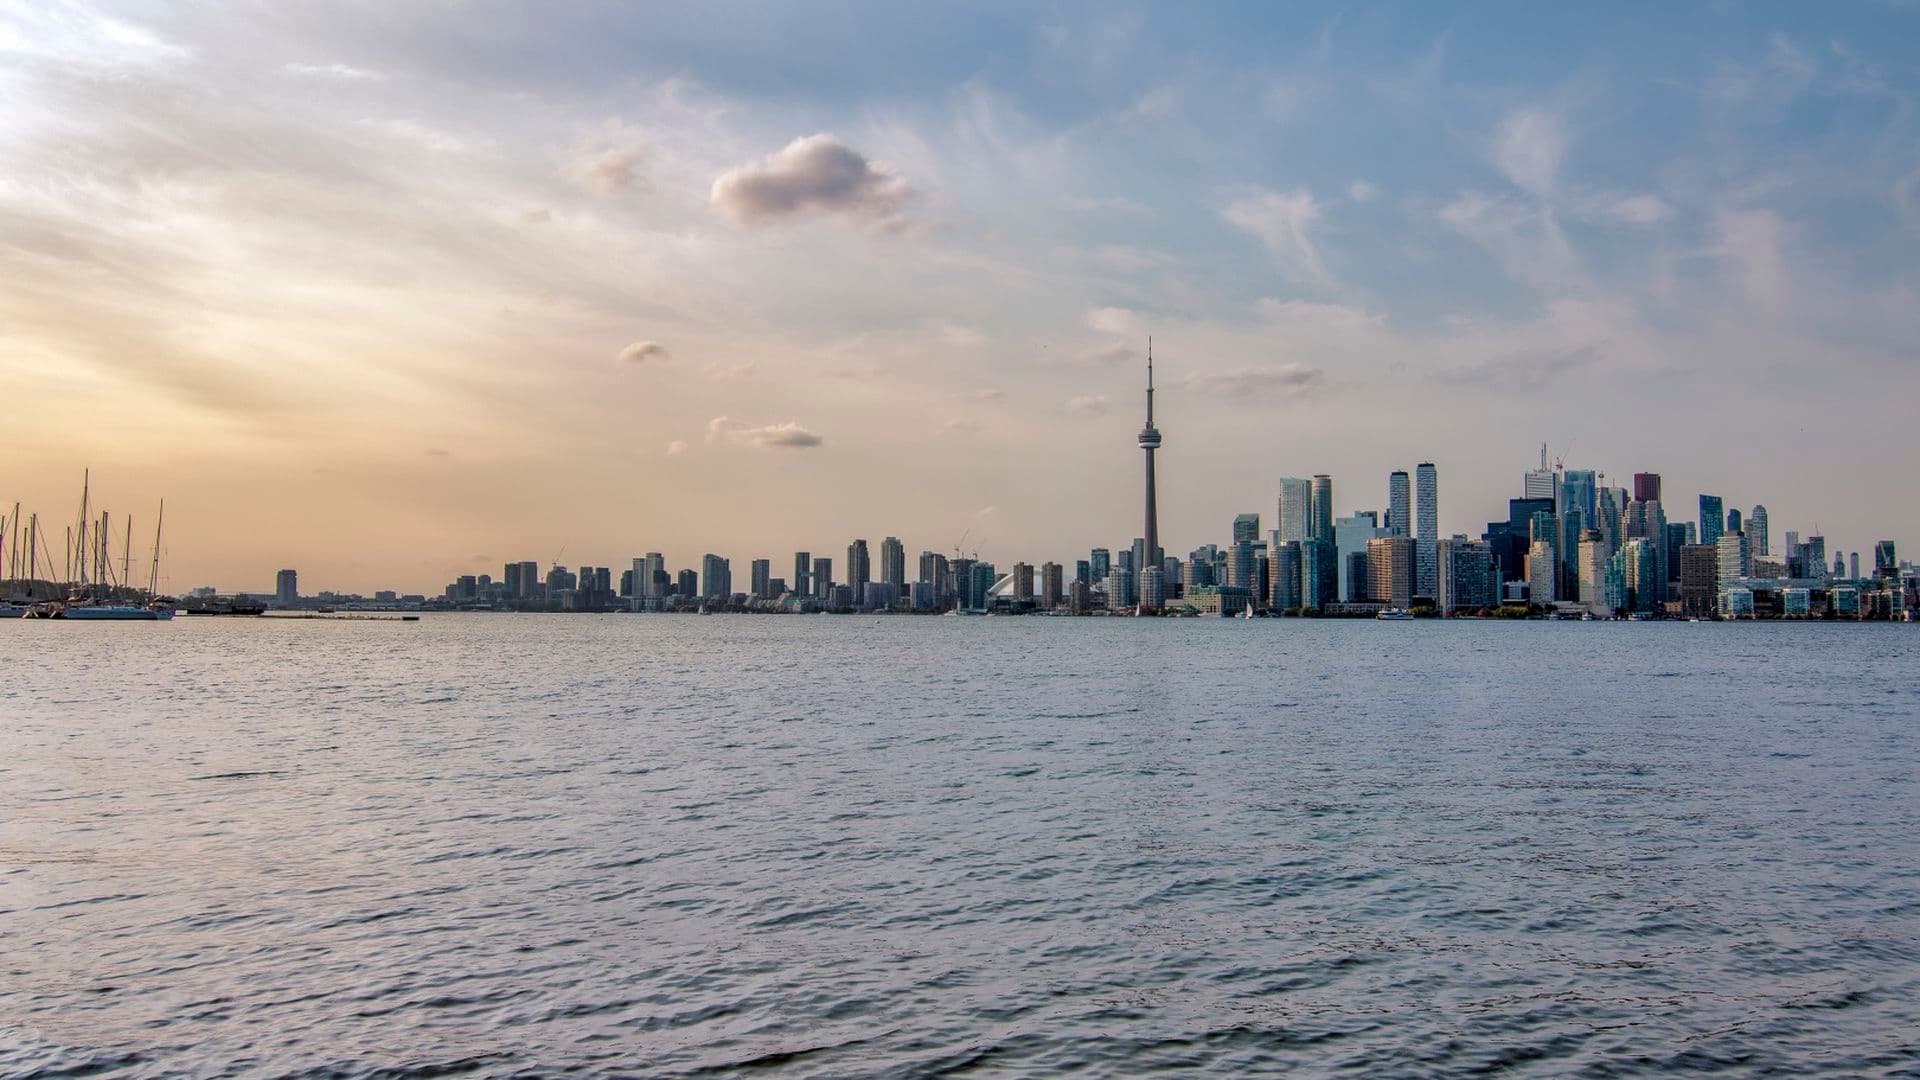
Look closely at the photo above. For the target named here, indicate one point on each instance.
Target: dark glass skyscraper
(1713, 516)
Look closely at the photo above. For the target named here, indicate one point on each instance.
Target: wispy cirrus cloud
(1248, 382)
(727, 431)
(1285, 222)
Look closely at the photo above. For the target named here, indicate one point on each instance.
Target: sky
(390, 293)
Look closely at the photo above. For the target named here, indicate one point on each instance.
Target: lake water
(845, 846)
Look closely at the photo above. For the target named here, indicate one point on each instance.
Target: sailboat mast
(153, 575)
(126, 557)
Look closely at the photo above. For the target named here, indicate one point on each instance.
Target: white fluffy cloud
(815, 174)
(1528, 148)
(727, 431)
(1089, 405)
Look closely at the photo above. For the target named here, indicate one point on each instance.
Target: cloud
(642, 351)
(344, 72)
(1639, 210)
(676, 448)
(437, 452)
(745, 369)
(960, 337)
(818, 173)
(1523, 367)
(1106, 355)
(1284, 221)
(727, 431)
(1306, 313)
(1529, 147)
(536, 216)
(1089, 405)
(1294, 379)
(990, 394)
(1361, 191)
(608, 171)
(959, 425)
(1116, 320)
(985, 512)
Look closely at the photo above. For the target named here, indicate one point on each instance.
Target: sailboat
(94, 598)
(1248, 614)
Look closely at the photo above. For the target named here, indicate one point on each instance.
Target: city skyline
(397, 298)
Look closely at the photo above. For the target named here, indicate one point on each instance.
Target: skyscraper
(1320, 513)
(1426, 548)
(1399, 504)
(761, 572)
(1757, 531)
(893, 563)
(821, 579)
(1290, 514)
(1540, 483)
(859, 569)
(1246, 527)
(802, 563)
(1713, 518)
(1646, 487)
(1578, 491)
(1886, 565)
(1150, 441)
(717, 578)
(1351, 535)
(286, 588)
(1733, 521)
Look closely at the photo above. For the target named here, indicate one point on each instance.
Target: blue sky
(490, 278)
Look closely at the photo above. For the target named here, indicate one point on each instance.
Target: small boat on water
(103, 613)
(1395, 614)
(1248, 614)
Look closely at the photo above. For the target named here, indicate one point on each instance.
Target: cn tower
(1150, 441)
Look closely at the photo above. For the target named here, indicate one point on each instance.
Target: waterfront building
(1351, 535)
(1700, 580)
(1023, 582)
(1294, 508)
(1542, 573)
(1320, 509)
(1224, 600)
(1319, 577)
(1732, 556)
(893, 562)
(1153, 590)
(1426, 549)
(1083, 571)
(286, 588)
(1713, 519)
(529, 579)
(1736, 603)
(1242, 566)
(925, 595)
(1757, 531)
(1390, 570)
(760, 574)
(1468, 577)
(717, 574)
(821, 578)
(1284, 576)
(1592, 569)
(689, 584)
(1816, 557)
(802, 580)
(1052, 584)
(1793, 601)
(859, 568)
(1399, 504)
(1117, 591)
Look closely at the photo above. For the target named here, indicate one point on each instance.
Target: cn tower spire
(1150, 441)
